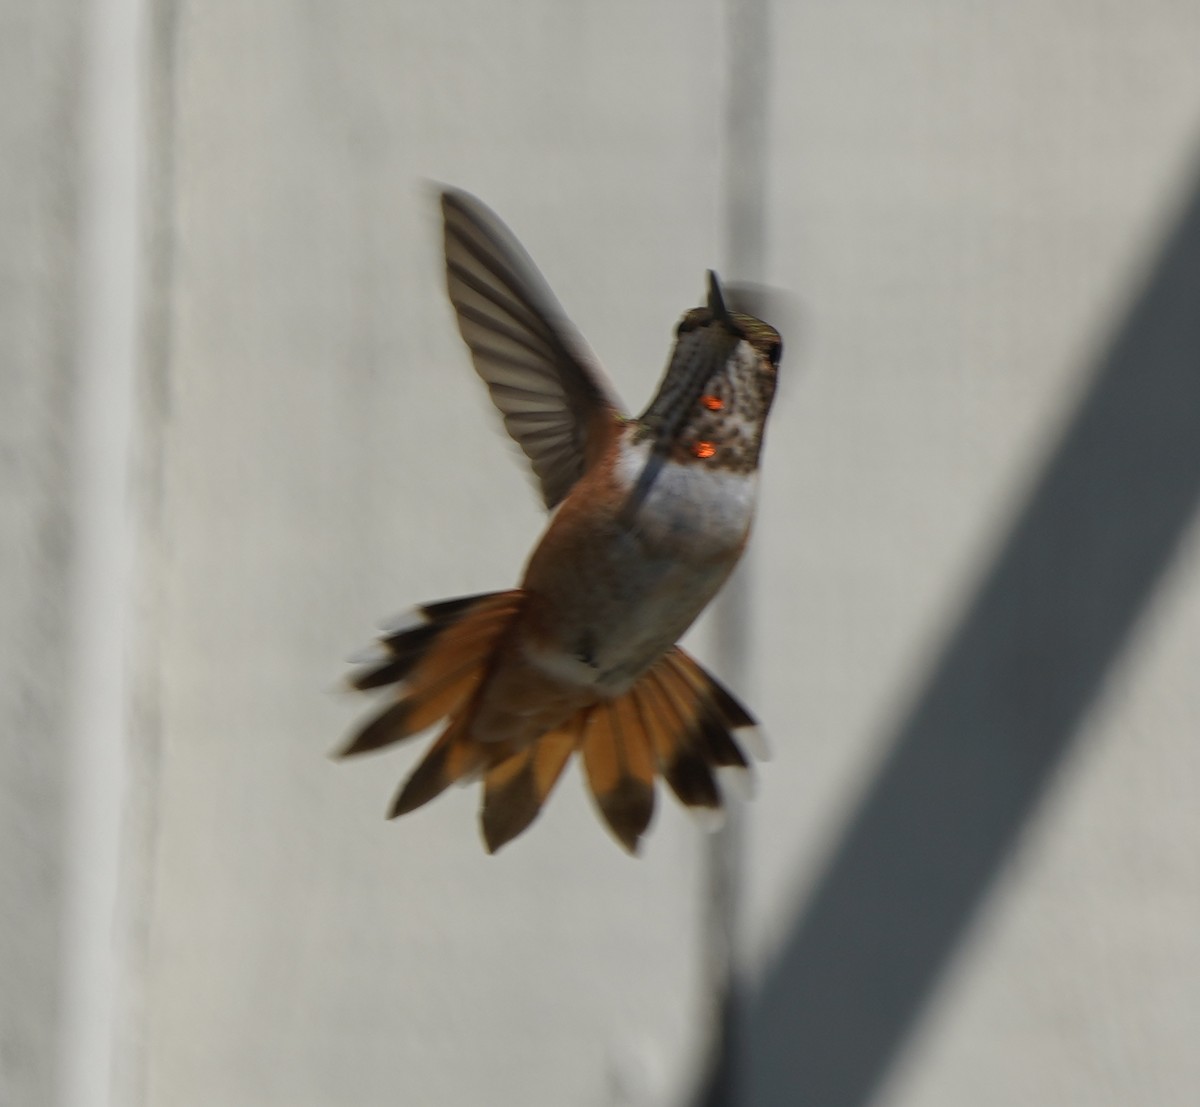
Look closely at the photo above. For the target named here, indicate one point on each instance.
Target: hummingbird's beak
(716, 300)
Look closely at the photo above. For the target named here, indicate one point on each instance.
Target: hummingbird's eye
(775, 352)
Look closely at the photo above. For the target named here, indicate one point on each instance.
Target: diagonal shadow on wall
(997, 715)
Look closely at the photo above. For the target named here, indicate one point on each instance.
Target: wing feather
(557, 404)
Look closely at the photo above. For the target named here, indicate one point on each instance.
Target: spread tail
(677, 722)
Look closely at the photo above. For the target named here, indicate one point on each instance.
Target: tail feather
(452, 757)
(515, 790)
(677, 721)
(709, 730)
(683, 766)
(441, 661)
(401, 652)
(619, 769)
(415, 713)
(442, 611)
(430, 778)
(722, 699)
(510, 801)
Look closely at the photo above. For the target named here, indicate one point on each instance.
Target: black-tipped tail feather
(677, 722)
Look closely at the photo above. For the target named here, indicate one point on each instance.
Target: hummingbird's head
(713, 401)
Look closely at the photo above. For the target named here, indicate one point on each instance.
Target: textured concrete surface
(38, 192)
(970, 870)
(972, 880)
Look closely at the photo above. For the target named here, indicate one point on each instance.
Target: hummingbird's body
(651, 516)
(604, 601)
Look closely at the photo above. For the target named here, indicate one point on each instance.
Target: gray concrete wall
(974, 874)
(970, 873)
(39, 61)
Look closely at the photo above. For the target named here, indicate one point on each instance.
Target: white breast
(691, 508)
(647, 577)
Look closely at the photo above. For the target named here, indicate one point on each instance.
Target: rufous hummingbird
(649, 517)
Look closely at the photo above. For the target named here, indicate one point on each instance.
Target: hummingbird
(649, 516)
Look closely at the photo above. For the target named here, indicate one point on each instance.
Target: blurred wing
(556, 402)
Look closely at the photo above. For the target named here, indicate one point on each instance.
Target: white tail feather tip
(737, 782)
(374, 654)
(754, 738)
(407, 620)
(708, 819)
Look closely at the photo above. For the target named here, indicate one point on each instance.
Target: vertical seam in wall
(743, 172)
(142, 819)
(102, 511)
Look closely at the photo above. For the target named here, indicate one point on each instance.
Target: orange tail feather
(515, 789)
(441, 662)
(677, 721)
(620, 769)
